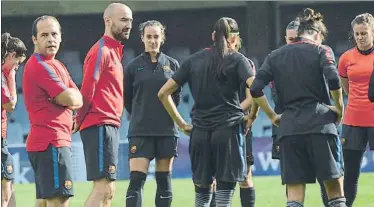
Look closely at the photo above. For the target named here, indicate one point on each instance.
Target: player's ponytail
(223, 28)
(310, 22)
(4, 43)
(11, 44)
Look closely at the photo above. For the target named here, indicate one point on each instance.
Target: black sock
(352, 166)
(213, 202)
(337, 202)
(224, 193)
(134, 191)
(247, 197)
(164, 195)
(324, 197)
(294, 204)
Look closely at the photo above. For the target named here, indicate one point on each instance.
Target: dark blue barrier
(264, 164)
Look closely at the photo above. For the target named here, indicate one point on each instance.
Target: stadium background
(189, 25)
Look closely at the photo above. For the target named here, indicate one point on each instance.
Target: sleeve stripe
(50, 71)
(98, 59)
(329, 54)
(253, 67)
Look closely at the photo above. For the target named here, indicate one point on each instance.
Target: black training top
(243, 86)
(143, 80)
(277, 107)
(216, 96)
(302, 73)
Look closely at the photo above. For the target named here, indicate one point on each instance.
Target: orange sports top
(357, 68)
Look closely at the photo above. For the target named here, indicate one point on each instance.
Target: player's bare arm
(254, 106)
(268, 110)
(247, 103)
(165, 97)
(70, 98)
(263, 78)
(10, 106)
(345, 85)
(12, 85)
(337, 96)
(251, 117)
(334, 81)
(343, 73)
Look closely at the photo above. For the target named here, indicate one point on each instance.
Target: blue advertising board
(264, 164)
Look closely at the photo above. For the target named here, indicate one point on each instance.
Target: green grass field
(269, 193)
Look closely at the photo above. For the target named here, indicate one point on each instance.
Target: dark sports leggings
(352, 165)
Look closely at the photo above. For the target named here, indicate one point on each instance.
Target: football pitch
(269, 193)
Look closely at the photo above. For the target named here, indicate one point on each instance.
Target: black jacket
(143, 80)
(303, 73)
(215, 94)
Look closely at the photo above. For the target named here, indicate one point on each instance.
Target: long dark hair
(311, 21)
(11, 44)
(223, 28)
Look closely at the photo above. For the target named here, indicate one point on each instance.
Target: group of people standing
(227, 92)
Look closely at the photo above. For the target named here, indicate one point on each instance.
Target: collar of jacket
(161, 59)
(366, 52)
(112, 42)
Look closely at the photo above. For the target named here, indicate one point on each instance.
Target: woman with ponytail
(355, 70)
(217, 141)
(247, 190)
(13, 53)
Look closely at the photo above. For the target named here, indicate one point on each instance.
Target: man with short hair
(100, 117)
(50, 97)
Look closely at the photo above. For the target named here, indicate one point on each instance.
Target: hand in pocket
(338, 112)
